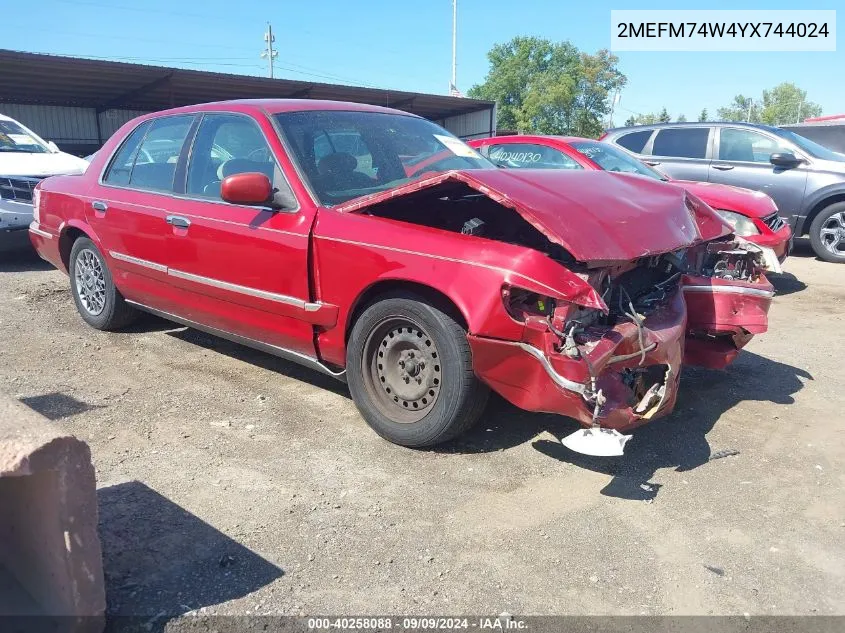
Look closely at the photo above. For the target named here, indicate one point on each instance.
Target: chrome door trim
(246, 290)
(139, 262)
(287, 354)
(735, 290)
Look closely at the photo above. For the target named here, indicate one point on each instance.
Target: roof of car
(274, 106)
(652, 126)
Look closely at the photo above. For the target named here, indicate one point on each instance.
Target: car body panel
(753, 204)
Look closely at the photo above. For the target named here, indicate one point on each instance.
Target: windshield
(344, 155)
(14, 138)
(611, 159)
(811, 147)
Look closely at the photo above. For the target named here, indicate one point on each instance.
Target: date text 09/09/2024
(504, 622)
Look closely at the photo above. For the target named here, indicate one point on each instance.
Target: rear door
(741, 158)
(242, 269)
(128, 207)
(683, 153)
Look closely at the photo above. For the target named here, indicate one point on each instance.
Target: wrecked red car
(293, 227)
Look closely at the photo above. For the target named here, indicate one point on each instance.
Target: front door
(741, 158)
(242, 269)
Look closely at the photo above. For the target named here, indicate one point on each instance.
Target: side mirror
(251, 188)
(53, 147)
(784, 159)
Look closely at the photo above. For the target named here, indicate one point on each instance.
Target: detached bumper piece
(621, 378)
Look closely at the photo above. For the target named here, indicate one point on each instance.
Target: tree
(785, 103)
(704, 115)
(630, 121)
(544, 87)
(664, 117)
(681, 118)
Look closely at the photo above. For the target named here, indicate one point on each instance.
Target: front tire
(98, 301)
(409, 369)
(827, 233)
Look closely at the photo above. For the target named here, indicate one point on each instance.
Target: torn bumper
(635, 386)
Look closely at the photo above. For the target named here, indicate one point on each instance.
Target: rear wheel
(98, 301)
(409, 369)
(827, 233)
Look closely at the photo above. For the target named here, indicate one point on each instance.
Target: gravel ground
(231, 482)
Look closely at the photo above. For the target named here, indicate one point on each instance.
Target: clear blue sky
(407, 45)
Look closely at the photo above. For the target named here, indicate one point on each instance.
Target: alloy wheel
(90, 281)
(832, 234)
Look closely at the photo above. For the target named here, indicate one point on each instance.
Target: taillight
(36, 203)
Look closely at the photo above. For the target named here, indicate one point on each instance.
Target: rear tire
(98, 301)
(827, 233)
(409, 369)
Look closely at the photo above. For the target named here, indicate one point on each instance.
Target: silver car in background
(805, 179)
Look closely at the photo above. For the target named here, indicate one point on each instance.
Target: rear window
(681, 142)
(531, 155)
(634, 141)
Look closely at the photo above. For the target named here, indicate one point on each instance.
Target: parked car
(752, 214)
(806, 180)
(422, 292)
(25, 158)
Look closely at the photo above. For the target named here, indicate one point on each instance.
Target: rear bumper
(534, 376)
(46, 244)
(14, 215)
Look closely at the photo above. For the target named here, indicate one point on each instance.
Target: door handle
(723, 167)
(178, 221)
(653, 163)
(100, 207)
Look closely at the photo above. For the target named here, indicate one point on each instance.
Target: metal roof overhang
(33, 78)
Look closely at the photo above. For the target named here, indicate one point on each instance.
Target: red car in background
(294, 227)
(752, 214)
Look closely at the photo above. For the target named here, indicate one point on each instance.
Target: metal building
(78, 103)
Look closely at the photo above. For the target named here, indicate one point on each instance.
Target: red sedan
(294, 227)
(752, 214)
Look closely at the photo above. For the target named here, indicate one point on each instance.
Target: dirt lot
(234, 482)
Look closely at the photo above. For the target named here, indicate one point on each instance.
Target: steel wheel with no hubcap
(90, 282)
(401, 370)
(832, 234)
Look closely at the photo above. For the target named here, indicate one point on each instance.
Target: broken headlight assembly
(521, 303)
(739, 223)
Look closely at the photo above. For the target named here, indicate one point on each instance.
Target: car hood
(53, 164)
(595, 215)
(750, 203)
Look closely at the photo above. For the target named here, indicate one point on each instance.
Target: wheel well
(66, 243)
(818, 208)
(380, 288)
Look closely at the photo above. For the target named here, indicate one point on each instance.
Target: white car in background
(26, 159)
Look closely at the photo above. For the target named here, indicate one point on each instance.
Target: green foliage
(783, 104)
(681, 118)
(664, 117)
(543, 87)
(704, 115)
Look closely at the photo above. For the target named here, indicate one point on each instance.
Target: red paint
(295, 279)
(250, 188)
(752, 204)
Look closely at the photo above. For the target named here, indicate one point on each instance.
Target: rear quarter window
(634, 141)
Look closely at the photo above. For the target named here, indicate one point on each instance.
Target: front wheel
(97, 299)
(827, 233)
(409, 369)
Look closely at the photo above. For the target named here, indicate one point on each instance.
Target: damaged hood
(595, 215)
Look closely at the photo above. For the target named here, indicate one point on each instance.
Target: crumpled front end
(620, 368)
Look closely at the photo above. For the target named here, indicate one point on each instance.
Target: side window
(227, 144)
(634, 141)
(155, 162)
(681, 142)
(338, 146)
(746, 145)
(530, 155)
(121, 164)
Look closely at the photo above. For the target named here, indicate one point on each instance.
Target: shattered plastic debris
(727, 452)
(596, 441)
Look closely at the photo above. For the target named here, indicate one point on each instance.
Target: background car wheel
(827, 233)
(409, 369)
(98, 301)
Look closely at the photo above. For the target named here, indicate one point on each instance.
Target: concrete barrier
(50, 557)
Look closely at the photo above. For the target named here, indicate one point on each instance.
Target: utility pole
(270, 54)
(453, 86)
